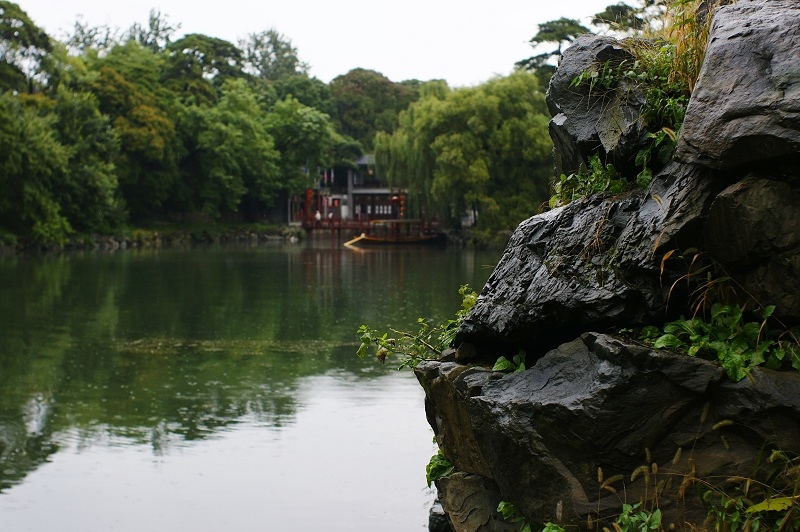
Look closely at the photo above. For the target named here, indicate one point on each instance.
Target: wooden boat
(393, 232)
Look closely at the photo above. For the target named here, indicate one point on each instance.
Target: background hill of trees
(107, 129)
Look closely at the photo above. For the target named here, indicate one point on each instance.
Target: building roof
(368, 159)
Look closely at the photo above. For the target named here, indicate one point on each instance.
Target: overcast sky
(465, 42)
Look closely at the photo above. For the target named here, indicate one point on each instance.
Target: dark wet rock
(746, 104)
(438, 520)
(601, 402)
(591, 265)
(592, 120)
(597, 263)
(471, 503)
(604, 402)
(752, 230)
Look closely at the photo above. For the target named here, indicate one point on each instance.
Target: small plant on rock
(631, 520)
(427, 343)
(437, 468)
(510, 514)
(753, 505)
(515, 365)
(593, 179)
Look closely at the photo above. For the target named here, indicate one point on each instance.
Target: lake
(217, 388)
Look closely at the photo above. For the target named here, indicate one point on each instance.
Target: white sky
(465, 42)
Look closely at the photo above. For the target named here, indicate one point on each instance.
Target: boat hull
(367, 240)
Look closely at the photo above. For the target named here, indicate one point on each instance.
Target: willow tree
(406, 159)
(482, 150)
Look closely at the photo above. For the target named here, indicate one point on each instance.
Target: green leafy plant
(517, 364)
(510, 514)
(601, 77)
(666, 96)
(659, 148)
(552, 527)
(427, 343)
(438, 467)
(593, 179)
(737, 344)
(631, 520)
(663, 111)
(766, 500)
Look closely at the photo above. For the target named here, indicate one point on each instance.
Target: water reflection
(178, 359)
(343, 464)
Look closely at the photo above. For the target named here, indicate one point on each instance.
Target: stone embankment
(166, 238)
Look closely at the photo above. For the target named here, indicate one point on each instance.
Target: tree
(126, 84)
(86, 39)
(31, 162)
(270, 55)
(198, 65)
(484, 150)
(625, 18)
(620, 17)
(305, 138)
(88, 193)
(158, 33)
(230, 154)
(366, 102)
(23, 45)
(559, 32)
(309, 91)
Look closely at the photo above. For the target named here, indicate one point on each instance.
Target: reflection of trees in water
(343, 288)
(150, 396)
(24, 440)
(159, 401)
(163, 348)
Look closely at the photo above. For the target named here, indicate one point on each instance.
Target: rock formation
(746, 105)
(601, 402)
(591, 401)
(598, 120)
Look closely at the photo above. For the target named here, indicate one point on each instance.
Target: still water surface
(216, 389)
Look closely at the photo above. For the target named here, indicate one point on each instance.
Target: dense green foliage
(111, 128)
(482, 150)
(367, 102)
(727, 337)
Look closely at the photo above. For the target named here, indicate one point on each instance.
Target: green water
(217, 388)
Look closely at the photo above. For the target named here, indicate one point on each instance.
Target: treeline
(106, 128)
(481, 153)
